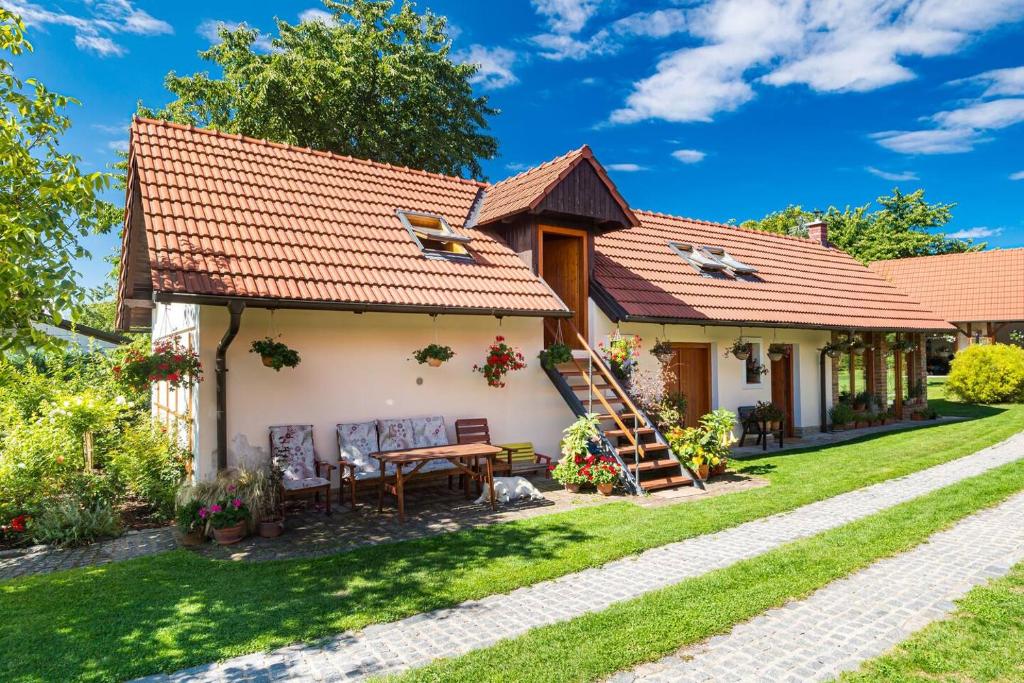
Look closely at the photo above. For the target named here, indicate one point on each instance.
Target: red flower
(499, 338)
(163, 366)
(173, 377)
(18, 523)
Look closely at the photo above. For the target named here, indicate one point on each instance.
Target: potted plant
(265, 501)
(603, 472)
(739, 348)
(433, 355)
(191, 526)
(860, 419)
(841, 414)
(777, 352)
(770, 413)
(228, 518)
(857, 346)
(863, 400)
(902, 346)
(703, 447)
(579, 443)
(832, 349)
(168, 361)
(662, 350)
(620, 354)
(501, 360)
(555, 354)
(275, 354)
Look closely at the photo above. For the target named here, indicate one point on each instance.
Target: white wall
(729, 389)
(360, 367)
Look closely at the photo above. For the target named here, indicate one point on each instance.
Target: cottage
(356, 264)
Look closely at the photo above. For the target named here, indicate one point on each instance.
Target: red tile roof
(982, 286)
(525, 191)
(798, 283)
(232, 216)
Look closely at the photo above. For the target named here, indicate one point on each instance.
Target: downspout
(821, 402)
(235, 309)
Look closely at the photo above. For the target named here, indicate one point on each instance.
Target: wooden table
(464, 457)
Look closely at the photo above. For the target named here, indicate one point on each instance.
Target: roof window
(711, 261)
(435, 237)
(733, 264)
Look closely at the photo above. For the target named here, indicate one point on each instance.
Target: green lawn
(627, 634)
(980, 642)
(174, 610)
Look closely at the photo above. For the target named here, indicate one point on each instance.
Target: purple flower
(203, 512)
(237, 502)
(215, 508)
(231, 488)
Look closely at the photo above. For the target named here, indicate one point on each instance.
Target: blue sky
(721, 109)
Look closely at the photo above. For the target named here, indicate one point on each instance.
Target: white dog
(507, 489)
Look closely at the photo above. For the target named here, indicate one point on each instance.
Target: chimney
(818, 231)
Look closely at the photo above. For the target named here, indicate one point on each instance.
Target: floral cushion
(429, 431)
(300, 484)
(356, 440)
(291, 448)
(395, 435)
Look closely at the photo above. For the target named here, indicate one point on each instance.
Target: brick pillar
(879, 367)
(921, 366)
(835, 374)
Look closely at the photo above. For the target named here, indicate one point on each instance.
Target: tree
(46, 204)
(375, 82)
(900, 229)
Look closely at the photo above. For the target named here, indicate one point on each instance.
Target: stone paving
(857, 618)
(415, 641)
(42, 559)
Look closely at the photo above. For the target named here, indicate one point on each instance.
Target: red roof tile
(525, 191)
(798, 281)
(233, 216)
(981, 286)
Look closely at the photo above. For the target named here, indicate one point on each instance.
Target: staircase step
(622, 416)
(648, 448)
(666, 482)
(614, 433)
(654, 465)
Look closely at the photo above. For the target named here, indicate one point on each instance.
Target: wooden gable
(583, 195)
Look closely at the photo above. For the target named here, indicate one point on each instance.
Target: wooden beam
(139, 303)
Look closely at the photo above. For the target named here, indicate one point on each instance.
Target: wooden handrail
(604, 402)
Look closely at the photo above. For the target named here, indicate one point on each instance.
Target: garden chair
(303, 474)
(518, 459)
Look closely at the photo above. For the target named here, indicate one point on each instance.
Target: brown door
(782, 387)
(563, 265)
(691, 376)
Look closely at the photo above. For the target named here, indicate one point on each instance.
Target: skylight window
(435, 237)
(711, 261)
(733, 264)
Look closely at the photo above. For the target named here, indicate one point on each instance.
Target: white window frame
(760, 383)
(445, 234)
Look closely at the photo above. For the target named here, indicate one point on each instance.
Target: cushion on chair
(429, 431)
(299, 484)
(356, 440)
(291, 449)
(395, 435)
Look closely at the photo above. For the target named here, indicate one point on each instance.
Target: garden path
(856, 618)
(417, 640)
(43, 559)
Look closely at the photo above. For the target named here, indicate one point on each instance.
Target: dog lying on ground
(508, 489)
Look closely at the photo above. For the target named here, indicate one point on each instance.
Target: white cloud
(886, 175)
(626, 168)
(990, 115)
(566, 16)
(516, 166)
(689, 156)
(999, 81)
(118, 145)
(317, 14)
(93, 31)
(209, 29)
(975, 233)
(938, 141)
(834, 46)
(658, 24)
(1019, 175)
(495, 66)
(114, 129)
(606, 41)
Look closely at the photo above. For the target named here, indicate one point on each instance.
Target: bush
(992, 373)
(66, 522)
(149, 466)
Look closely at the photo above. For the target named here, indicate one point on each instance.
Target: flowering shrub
(706, 444)
(14, 532)
(225, 513)
(620, 353)
(600, 469)
(168, 362)
(579, 445)
(501, 360)
(988, 373)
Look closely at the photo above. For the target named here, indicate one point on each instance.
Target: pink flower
(231, 488)
(237, 502)
(203, 512)
(215, 508)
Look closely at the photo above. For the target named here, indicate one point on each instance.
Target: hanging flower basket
(777, 352)
(832, 350)
(620, 354)
(556, 354)
(903, 346)
(740, 349)
(662, 350)
(501, 360)
(433, 355)
(275, 354)
(857, 346)
(168, 362)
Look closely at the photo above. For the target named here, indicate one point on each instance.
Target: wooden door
(563, 265)
(782, 387)
(691, 376)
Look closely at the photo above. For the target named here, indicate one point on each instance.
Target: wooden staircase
(627, 433)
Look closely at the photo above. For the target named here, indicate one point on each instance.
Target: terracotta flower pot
(192, 538)
(718, 469)
(271, 528)
(268, 361)
(605, 489)
(572, 488)
(230, 534)
(434, 362)
(702, 472)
